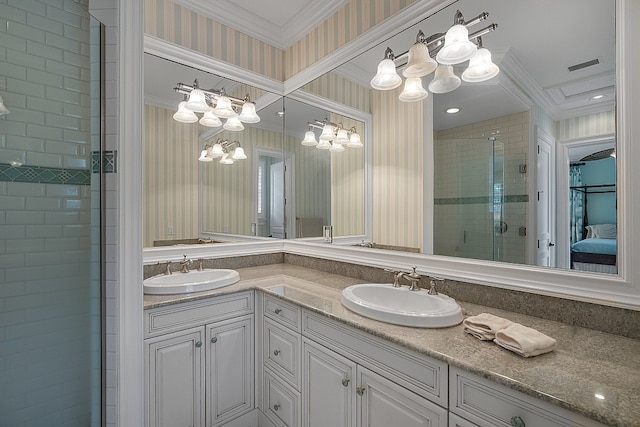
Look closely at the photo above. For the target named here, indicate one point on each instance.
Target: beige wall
(584, 126)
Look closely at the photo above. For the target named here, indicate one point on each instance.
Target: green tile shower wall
(44, 175)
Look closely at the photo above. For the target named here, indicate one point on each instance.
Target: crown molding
(279, 36)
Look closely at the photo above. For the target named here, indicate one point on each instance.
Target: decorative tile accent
(517, 198)
(44, 175)
(109, 161)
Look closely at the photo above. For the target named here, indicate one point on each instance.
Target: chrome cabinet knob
(517, 422)
(276, 352)
(278, 310)
(276, 407)
(345, 382)
(198, 344)
(360, 391)
(214, 340)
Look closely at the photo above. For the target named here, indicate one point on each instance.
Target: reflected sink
(193, 281)
(400, 306)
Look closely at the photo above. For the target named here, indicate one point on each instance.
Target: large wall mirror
(485, 153)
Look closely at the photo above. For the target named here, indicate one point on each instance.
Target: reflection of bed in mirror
(597, 251)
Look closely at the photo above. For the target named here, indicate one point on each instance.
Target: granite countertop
(584, 364)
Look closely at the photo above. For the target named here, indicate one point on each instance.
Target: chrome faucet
(167, 270)
(413, 278)
(184, 265)
(432, 285)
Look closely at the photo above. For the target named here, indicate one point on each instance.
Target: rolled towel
(484, 326)
(524, 341)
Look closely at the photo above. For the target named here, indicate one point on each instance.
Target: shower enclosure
(469, 204)
(51, 335)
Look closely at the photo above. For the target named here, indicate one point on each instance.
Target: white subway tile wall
(49, 250)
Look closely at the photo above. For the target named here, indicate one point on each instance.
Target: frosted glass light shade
(203, 157)
(216, 151)
(457, 46)
(323, 145)
(386, 78)
(327, 133)
(413, 90)
(480, 68)
(238, 154)
(444, 81)
(223, 108)
(233, 124)
(183, 115)
(342, 136)
(210, 120)
(420, 63)
(355, 141)
(197, 102)
(309, 139)
(248, 113)
(336, 147)
(226, 160)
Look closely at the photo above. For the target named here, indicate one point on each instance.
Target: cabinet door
(328, 388)
(229, 369)
(382, 403)
(174, 379)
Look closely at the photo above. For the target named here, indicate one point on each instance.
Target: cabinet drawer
(282, 312)
(281, 402)
(422, 375)
(175, 317)
(488, 404)
(456, 421)
(281, 352)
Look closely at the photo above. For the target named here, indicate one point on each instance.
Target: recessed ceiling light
(280, 114)
(452, 110)
(599, 396)
(597, 97)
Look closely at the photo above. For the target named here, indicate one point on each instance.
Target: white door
(174, 379)
(277, 200)
(545, 200)
(383, 403)
(328, 395)
(229, 369)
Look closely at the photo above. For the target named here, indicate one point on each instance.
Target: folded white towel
(484, 326)
(524, 341)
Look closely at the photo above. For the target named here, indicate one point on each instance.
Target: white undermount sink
(193, 281)
(400, 306)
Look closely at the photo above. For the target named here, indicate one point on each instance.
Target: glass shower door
(50, 228)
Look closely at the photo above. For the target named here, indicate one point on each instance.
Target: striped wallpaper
(353, 19)
(397, 170)
(589, 125)
(341, 90)
(176, 24)
(170, 183)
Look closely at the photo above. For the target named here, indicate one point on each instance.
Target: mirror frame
(621, 290)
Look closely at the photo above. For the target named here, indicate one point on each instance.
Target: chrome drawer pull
(278, 310)
(345, 382)
(214, 340)
(276, 352)
(276, 407)
(517, 422)
(360, 391)
(199, 344)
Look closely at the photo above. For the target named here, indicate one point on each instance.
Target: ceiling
(532, 46)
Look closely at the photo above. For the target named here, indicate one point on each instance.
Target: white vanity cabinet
(476, 401)
(199, 361)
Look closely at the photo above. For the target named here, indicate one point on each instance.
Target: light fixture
(413, 90)
(3, 109)
(233, 124)
(333, 137)
(210, 120)
(452, 110)
(213, 103)
(480, 68)
(451, 48)
(225, 150)
(593, 98)
(444, 80)
(183, 115)
(387, 77)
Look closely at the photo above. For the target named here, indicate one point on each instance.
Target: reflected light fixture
(451, 48)
(225, 150)
(333, 136)
(214, 104)
(3, 109)
(452, 110)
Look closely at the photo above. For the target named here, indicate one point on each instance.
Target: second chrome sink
(401, 306)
